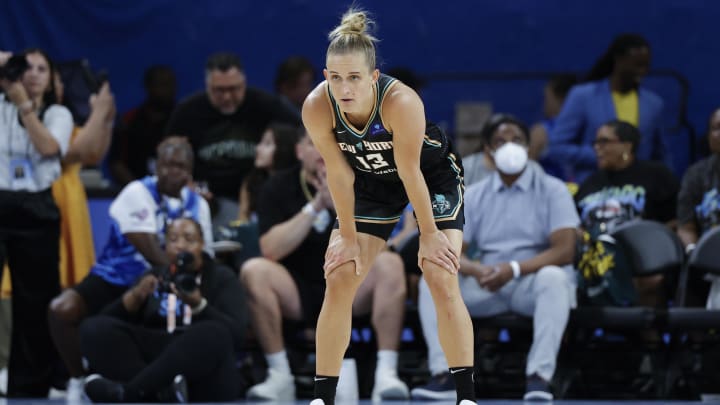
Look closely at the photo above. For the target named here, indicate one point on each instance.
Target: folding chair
(609, 334)
(695, 348)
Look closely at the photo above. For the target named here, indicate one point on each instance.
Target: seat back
(706, 255)
(650, 247)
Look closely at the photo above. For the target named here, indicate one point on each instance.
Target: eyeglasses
(604, 141)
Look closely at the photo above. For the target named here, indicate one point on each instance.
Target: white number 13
(374, 161)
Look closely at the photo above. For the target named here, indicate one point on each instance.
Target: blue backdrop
(429, 36)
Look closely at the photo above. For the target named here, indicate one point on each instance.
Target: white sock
(278, 361)
(386, 362)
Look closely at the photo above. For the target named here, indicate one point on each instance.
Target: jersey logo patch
(140, 215)
(440, 204)
(376, 129)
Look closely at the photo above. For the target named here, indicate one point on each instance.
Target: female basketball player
(379, 152)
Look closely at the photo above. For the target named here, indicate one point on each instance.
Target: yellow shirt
(627, 107)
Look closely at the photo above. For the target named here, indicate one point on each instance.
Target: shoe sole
(538, 396)
(395, 393)
(262, 398)
(180, 389)
(420, 394)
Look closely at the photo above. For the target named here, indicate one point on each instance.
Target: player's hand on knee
(340, 251)
(436, 248)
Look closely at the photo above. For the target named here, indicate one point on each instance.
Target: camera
(180, 273)
(14, 68)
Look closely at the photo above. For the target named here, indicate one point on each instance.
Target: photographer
(34, 136)
(139, 215)
(144, 350)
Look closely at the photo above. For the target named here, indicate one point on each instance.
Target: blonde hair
(352, 35)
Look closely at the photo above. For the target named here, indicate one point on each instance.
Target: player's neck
(360, 118)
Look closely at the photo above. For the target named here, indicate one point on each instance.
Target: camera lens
(186, 283)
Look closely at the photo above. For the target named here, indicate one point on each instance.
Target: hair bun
(353, 22)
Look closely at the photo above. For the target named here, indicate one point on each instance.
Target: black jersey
(370, 150)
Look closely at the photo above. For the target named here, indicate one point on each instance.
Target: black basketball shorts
(380, 204)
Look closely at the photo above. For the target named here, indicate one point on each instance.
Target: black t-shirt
(137, 137)
(699, 198)
(644, 189)
(224, 145)
(281, 198)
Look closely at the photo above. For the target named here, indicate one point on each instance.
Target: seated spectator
(295, 211)
(554, 93)
(625, 188)
(294, 79)
(405, 240)
(132, 155)
(174, 332)
(477, 166)
(698, 209)
(140, 214)
(613, 91)
(224, 124)
(521, 225)
(275, 152)
(480, 164)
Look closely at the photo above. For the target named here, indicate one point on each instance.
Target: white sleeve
(59, 122)
(134, 209)
(206, 225)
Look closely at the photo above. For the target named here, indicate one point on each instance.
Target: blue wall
(430, 36)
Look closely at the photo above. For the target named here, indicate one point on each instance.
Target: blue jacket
(587, 107)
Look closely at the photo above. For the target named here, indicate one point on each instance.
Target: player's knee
(342, 280)
(439, 281)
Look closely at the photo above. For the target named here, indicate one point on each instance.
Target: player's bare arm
(404, 113)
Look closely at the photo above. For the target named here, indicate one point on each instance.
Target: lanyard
(9, 119)
(167, 215)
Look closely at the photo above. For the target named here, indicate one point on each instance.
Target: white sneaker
(76, 389)
(278, 386)
(3, 380)
(389, 387)
(55, 393)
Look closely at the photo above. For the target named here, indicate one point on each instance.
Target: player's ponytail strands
(353, 35)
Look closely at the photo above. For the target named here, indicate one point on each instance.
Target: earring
(625, 156)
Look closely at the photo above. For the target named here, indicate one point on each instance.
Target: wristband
(515, 266)
(199, 307)
(310, 210)
(26, 107)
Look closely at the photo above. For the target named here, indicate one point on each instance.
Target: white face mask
(511, 158)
